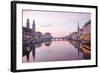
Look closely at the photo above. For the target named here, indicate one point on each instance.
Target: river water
(55, 51)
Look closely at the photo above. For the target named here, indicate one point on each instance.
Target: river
(55, 51)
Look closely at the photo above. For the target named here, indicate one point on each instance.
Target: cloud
(46, 25)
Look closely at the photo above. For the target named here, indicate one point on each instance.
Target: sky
(59, 24)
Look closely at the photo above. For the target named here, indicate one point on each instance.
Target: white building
(74, 36)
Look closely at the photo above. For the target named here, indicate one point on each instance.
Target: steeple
(28, 23)
(78, 26)
(78, 31)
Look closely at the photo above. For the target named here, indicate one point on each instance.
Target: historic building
(28, 33)
(47, 36)
(82, 34)
(76, 35)
(86, 33)
(38, 36)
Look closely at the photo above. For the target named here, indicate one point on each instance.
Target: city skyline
(57, 23)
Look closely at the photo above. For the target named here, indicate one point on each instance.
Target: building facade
(28, 33)
(86, 31)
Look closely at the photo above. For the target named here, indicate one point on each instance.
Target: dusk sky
(57, 23)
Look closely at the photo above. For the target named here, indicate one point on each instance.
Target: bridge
(32, 41)
(59, 38)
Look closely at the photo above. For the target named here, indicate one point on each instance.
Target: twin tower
(28, 25)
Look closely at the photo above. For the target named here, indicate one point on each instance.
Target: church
(28, 33)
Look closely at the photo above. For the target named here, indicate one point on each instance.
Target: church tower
(33, 26)
(78, 26)
(28, 23)
(78, 31)
(33, 29)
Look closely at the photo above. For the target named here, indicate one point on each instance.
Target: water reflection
(31, 48)
(54, 51)
(38, 45)
(78, 45)
(48, 43)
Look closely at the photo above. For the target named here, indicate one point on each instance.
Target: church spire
(28, 23)
(78, 26)
(78, 31)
